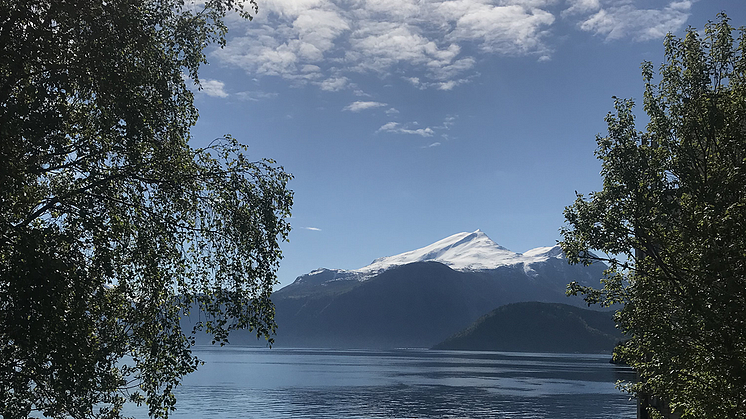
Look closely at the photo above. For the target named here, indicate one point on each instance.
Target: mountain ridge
(463, 251)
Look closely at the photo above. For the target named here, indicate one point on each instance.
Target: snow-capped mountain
(461, 252)
(419, 298)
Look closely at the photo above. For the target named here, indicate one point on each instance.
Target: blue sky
(406, 121)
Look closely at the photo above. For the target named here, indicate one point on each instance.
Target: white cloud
(380, 46)
(344, 37)
(214, 88)
(624, 20)
(394, 10)
(425, 132)
(255, 96)
(448, 85)
(396, 128)
(581, 6)
(442, 85)
(509, 29)
(389, 126)
(311, 228)
(428, 42)
(288, 9)
(291, 44)
(411, 128)
(445, 72)
(415, 81)
(361, 105)
(435, 144)
(392, 111)
(447, 122)
(333, 84)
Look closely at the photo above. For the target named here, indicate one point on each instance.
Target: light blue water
(316, 383)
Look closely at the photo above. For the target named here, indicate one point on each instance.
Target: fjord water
(315, 383)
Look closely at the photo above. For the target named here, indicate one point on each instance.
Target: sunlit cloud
(311, 228)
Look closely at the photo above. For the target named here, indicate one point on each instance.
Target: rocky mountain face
(420, 298)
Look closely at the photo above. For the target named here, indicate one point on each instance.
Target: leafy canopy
(111, 226)
(673, 206)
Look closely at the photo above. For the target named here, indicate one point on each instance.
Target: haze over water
(315, 383)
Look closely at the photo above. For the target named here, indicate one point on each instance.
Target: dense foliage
(673, 211)
(111, 225)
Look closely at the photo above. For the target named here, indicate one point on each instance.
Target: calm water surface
(320, 383)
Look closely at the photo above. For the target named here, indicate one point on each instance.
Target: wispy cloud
(311, 228)
(255, 96)
(448, 122)
(362, 105)
(396, 128)
(622, 20)
(439, 85)
(412, 128)
(581, 7)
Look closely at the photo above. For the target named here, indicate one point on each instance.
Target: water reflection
(286, 383)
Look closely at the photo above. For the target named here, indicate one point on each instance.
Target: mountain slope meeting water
(538, 327)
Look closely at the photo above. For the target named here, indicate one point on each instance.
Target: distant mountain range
(420, 298)
(538, 327)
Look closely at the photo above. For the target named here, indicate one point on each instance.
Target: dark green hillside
(538, 327)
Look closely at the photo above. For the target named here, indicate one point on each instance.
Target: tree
(112, 226)
(672, 218)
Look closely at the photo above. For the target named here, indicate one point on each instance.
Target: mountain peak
(461, 251)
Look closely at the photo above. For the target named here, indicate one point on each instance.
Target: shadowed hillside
(538, 327)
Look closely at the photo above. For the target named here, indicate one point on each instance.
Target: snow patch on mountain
(465, 252)
(542, 254)
(462, 251)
